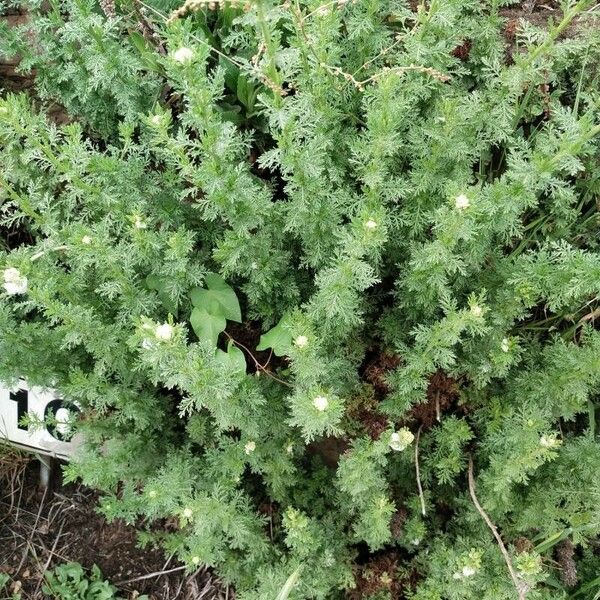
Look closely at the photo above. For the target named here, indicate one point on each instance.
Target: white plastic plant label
(53, 440)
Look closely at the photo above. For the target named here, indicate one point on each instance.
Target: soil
(40, 529)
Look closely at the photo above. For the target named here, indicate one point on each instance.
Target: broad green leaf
(154, 282)
(279, 338)
(234, 358)
(207, 326)
(218, 300)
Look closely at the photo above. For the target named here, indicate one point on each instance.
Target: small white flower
(371, 224)
(504, 345)
(156, 119)
(152, 494)
(416, 542)
(139, 224)
(195, 560)
(187, 513)
(86, 239)
(301, 341)
(550, 441)
(14, 282)
(254, 265)
(462, 202)
(250, 447)
(320, 403)
(468, 571)
(400, 440)
(164, 332)
(183, 55)
(476, 310)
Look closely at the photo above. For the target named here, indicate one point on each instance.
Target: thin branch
(151, 575)
(418, 471)
(257, 364)
(520, 585)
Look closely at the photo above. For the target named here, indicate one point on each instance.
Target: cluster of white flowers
(321, 403)
(162, 332)
(86, 239)
(371, 224)
(187, 512)
(505, 345)
(14, 282)
(250, 447)
(402, 439)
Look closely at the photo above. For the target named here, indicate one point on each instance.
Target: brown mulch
(42, 529)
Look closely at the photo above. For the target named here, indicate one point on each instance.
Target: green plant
(70, 582)
(323, 278)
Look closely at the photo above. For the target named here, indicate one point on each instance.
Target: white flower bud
(476, 310)
(468, 571)
(462, 202)
(187, 513)
(164, 332)
(400, 440)
(301, 341)
(152, 494)
(155, 120)
(504, 345)
(550, 441)
(371, 224)
(250, 447)
(14, 282)
(86, 239)
(320, 403)
(139, 224)
(183, 55)
(195, 560)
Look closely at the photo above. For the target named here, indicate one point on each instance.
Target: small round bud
(250, 447)
(320, 403)
(476, 310)
(139, 224)
(301, 341)
(152, 494)
(86, 239)
(505, 345)
(371, 224)
(187, 513)
(164, 332)
(183, 55)
(195, 560)
(462, 202)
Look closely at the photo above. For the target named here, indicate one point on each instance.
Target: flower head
(505, 345)
(371, 224)
(462, 202)
(400, 440)
(301, 341)
(14, 282)
(139, 224)
(320, 403)
(183, 55)
(86, 239)
(164, 332)
(187, 512)
(155, 120)
(250, 447)
(195, 560)
(476, 310)
(550, 441)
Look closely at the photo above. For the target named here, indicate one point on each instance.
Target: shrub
(323, 279)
